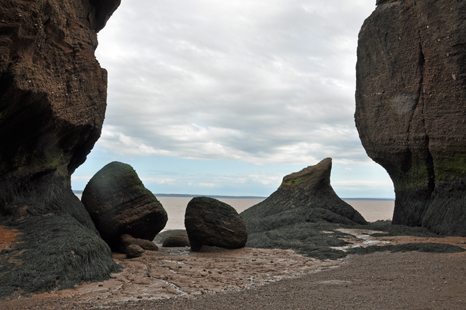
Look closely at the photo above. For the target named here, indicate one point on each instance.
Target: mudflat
(248, 278)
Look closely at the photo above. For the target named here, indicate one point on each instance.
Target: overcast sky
(228, 97)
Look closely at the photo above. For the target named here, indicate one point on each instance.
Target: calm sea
(371, 210)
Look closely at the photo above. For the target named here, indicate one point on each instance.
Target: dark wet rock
(103, 10)
(295, 215)
(410, 108)
(167, 233)
(127, 240)
(209, 221)
(52, 106)
(303, 197)
(177, 240)
(119, 204)
(54, 251)
(134, 250)
(379, 2)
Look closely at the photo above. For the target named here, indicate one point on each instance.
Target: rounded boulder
(209, 221)
(119, 204)
(178, 240)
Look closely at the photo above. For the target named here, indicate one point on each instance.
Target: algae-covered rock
(303, 197)
(209, 221)
(52, 106)
(410, 107)
(295, 215)
(119, 204)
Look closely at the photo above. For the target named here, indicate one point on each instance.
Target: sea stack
(411, 107)
(303, 197)
(52, 106)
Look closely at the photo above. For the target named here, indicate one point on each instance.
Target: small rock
(134, 250)
(177, 240)
(148, 245)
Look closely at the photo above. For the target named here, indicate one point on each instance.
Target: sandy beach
(176, 278)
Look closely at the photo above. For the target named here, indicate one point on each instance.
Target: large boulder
(119, 204)
(52, 105)
(303, 197)
(411, 107)
(209, 221)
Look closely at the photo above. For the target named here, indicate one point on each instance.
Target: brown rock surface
(127, 240)
(209, 221)
(411, 107)
(177, 240)
(272, 279)
(119, 204)
(134, 250)
(52, 105)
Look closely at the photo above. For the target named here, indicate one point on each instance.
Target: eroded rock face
(303, 197)
(411, 107)
(119, 204)
(52, 105)
(211, 222)
(295, 215)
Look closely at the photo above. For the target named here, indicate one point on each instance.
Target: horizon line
(241, 196)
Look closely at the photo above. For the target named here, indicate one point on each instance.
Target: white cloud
(261, 82)
(265, 82)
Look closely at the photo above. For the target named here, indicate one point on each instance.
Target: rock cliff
(411, 107)
(52, 106)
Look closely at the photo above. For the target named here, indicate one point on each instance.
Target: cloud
(220, 97)
(262, 82)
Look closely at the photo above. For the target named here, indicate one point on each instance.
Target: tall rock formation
(297, 213)
(411, 107)
(303, 197)
(52, 106)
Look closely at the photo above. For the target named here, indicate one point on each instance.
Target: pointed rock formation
(303, 197)
(411, 107)
(52, 105)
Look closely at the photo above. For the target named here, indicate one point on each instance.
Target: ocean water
(371, 210)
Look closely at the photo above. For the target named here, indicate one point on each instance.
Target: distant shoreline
(238, 197)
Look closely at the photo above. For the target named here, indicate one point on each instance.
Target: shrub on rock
(209, 221)
(119, 204)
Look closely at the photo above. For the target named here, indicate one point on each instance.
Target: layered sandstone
(411, 107)
(52, 106)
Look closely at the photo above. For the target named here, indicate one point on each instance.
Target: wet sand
(176, 278)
